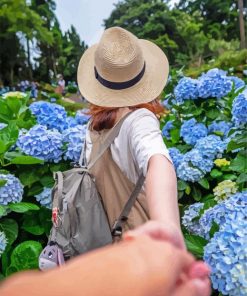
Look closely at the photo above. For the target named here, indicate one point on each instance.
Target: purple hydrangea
(81, 117)
(3, 242)
(227, 257)
(239, 108)
(238, 83)
(74, 138)
(51, 115)
(42, 143)
(186, 89)
(166, 129)
(11, 191)
(210, 146)
(191, 131)
(188, 219)
(45, 198)
(222, 127)
(214, 84)
(176, 156)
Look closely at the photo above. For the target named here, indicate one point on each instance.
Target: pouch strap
(123, 217)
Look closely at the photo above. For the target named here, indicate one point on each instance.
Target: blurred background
(40, 39)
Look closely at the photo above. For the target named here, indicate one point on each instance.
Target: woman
(123, 74)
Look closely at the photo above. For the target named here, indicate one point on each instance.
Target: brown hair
(105, 117)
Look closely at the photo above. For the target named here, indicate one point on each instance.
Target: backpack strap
(108, 141)
(117, 228)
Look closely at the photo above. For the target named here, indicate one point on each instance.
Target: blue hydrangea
(44, 198)
(220, 126)
(188, 219)
(196, 159)
(50, 115)
(11, 191)
(71, 121)
(239, 108)
(191, 131)
(166, 129)
(42, 143)
(176, 156)
(214, 84)
(81, 117)
(238, 83)
(3, 242)
(187, 172)
(186, 89)
(235, 205)
(74, 138)
(227, 257)
(210, 146)
(2, 125)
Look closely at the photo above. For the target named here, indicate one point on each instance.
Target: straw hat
(122, 70)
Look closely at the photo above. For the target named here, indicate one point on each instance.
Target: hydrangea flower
(187, 172)
(11, 191)
(166, 129)
(224, 190)
(186, 89)
(50, 115)
(81, 117)
(176, 156)
(16, 94)
(3, 242)
(235, 205)
(44, 198)
(71, 121)
(42, 143)
(238, 83)
(226, 255)
(210, 146)
(191, 131)
(2, 125)
(188, 219)
(239, 108)
(196, 159)
(74, 138)
(221, 126)
(220, 162)
(214, 84)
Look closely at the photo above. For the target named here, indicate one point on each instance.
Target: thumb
(194, 287)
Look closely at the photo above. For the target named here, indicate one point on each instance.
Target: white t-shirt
(139, 138)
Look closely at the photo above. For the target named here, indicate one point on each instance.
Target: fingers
(157, 231)
(199, 269)
(194, 287)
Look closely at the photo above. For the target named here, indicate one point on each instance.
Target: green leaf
(25, 256)
(32, 225)
(47, 181)
(196, 193)
(213, 113)
(23, 207)
(239, 164)
(3, 182)
(215, 173)
(207, 205)
(204, 183)
(2, 210)
(195, 244)
(8, 137)
(229, 177)
(29, 177)
(182, 185)
(175, 135)
(188, 190)
(14, 105)
(26, 160)
(242, 178)
(10, 228)
(214, 228)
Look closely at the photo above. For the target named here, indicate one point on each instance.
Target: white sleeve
(145, 140)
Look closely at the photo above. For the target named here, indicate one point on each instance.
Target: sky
(86, 16)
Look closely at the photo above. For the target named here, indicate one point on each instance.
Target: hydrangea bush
(205, 132)
(207, 142)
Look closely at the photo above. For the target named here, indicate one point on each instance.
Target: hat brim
(146, 90)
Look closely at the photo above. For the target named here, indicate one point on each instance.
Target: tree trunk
(241, 24)
(30, 71)
(11, 75)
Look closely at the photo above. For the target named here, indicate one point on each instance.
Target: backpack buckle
(117, 229)
(55, 217)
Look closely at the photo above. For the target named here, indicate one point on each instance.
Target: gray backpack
(80, 223)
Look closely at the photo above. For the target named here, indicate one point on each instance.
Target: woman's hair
(105, 117)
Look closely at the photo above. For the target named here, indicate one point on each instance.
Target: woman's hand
(159, 231)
